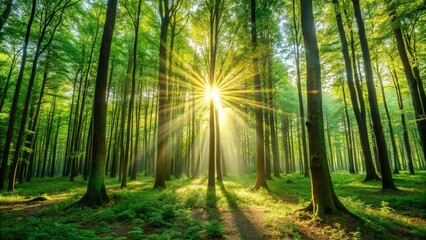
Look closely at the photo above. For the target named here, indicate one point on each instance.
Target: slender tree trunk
(260, 153)
(89, 148)
(96, 193)
(136, 145)
(132, 100)
(299, 92)
(357, 99)
(392, 136)
(55, 148)
(113, 120)
(413, 83)
(213, 42)
(162, 141)
(49, 132)
(330, 148)
(286, 139)
(58, 9)
(274, 138)
(348, 134)
(218, 152)
(70, 132)
(387, 180)
(9, 76)
(406, 139)
(14, 108)
(266, 131)
(33, 123)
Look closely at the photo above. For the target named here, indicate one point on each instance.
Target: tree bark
(324, 199)
(357, 106)
(387, 180)
(47, 28)
(14, 108)
(49, 132)
(260, 153)
(213, 42)
(163, 131)
(96, 193)
(132, 98)
(391, 133)
(299, 93)
(55, 148)
(406, 139)
(9, 76)
(413, 83)
(348, 134)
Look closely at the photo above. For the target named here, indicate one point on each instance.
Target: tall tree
(296, 46)
(324, 199)
(163, 131)
(414, 82)
(387, 180)
(260, 152)
(385, 105)
(404, 124)
(214, 16)
(357, 106)
(96, 193)
(14, 108)
(349, 139)
(136, 21)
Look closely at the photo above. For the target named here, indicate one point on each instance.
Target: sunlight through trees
(212, 90)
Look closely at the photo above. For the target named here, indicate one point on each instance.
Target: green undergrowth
(188, 210)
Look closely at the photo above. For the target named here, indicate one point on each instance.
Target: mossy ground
(187, 210)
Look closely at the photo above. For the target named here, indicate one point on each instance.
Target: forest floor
(186, 210)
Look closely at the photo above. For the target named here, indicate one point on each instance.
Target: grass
(187, 210)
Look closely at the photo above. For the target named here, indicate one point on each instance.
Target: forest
(212, 119)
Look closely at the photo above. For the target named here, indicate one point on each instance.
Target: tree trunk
(392, 136)
(213, 42)
(285, 131)
(324, 199)
(413, 85)
(330, 148)
(267, 134)
(49, 132)
(70, 131)
(357, 106)
(162, 141)
(55, 148)
(406, 139)
(260, 153)
(132, 100)
(9, 76)
(136, 145)
(96, 193)
(348, 133)
(14, 108)
(296, 47)
(89, 148)
(387, 180)
(40, 48)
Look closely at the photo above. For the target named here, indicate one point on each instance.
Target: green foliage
(213, 229)
(182, 211)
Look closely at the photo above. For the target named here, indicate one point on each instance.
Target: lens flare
(213, 94)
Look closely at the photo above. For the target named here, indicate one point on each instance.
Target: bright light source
(213, 93)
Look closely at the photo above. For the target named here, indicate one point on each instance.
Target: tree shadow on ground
(246, 229)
